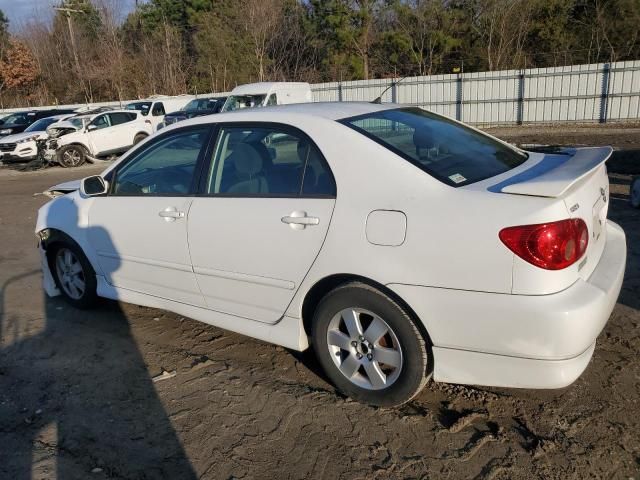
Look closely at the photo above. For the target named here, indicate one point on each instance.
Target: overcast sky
(21, 11)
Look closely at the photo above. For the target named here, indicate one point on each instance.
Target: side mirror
(91, 128)
(93, 186)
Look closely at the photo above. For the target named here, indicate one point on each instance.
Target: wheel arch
(55, 236)
(75, 143)
(321, 288)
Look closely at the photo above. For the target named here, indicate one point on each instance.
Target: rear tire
(138, 138)
(634, 192)
(369, 346)
(72, 156)
(73, 274)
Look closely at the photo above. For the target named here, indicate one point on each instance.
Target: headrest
(423, 138)
(247, 160)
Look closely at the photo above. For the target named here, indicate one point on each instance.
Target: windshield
(142, 107)
(237, 102)
(17, 118)
(449, 151)
(41, 125)
(201, 104)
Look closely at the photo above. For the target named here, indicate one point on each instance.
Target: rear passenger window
(259, 161)
(120, 118)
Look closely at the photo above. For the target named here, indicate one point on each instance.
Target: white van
(265, 94)
(155, 108)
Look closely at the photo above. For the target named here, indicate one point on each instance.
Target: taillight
(552, 246)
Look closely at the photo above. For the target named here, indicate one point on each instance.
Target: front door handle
(171, 214)
(299, 220)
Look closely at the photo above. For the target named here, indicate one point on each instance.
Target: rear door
(122, 130)
(265, 208)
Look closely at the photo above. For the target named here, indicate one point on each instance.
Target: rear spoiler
(556, 173)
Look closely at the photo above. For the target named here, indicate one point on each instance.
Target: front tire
(73, 274)
(369, 346)
(72, 156)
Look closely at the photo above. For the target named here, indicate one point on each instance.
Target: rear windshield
(447, 150)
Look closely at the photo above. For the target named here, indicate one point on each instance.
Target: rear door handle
(171, 214)
(299, 220)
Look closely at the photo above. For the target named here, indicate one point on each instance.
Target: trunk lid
(578, 177)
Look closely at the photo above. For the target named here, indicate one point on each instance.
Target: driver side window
(164, 168)
(101, 122)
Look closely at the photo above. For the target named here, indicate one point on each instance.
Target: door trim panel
(146, 261)
(243, 277)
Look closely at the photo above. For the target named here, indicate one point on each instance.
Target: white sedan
(401, 244)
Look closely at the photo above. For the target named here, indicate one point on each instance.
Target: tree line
(89, 53)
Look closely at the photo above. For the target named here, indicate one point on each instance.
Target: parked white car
(403, 245)
(154, 109)
(267, 94)
(22, 147)
(99, 135)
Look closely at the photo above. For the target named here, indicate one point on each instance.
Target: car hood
(16, 137)
(62, 188)
(62, 124)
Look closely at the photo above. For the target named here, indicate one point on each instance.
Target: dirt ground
(78, 399)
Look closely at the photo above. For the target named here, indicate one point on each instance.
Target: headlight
(28, 139)
(5, 131)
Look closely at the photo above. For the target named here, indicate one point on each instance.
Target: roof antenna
(378, 100)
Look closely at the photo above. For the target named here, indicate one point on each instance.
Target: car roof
(328, 110)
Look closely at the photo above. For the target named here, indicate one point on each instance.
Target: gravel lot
(78, 400)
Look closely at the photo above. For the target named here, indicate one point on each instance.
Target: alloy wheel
(364, 348)
(70, 273)
(72, 157)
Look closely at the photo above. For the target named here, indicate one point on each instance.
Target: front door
(139, 231)
(256, 231)
(100, 134)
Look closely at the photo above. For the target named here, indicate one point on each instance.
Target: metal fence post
(604, 96)
(394, 91)
(520, 106)
(340, 91)
(459, 98)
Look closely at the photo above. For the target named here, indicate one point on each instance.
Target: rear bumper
(542, 341)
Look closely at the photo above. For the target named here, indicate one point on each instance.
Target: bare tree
(503, 25)
(262, 20)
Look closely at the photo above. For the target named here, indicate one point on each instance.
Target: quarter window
(166, 167)
(264, 161)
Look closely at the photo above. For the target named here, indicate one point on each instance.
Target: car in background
(99, 135)
(195, 108)
(22, 147)
(154, 109)
(266, 94)
(19, 121)
(401, 244)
